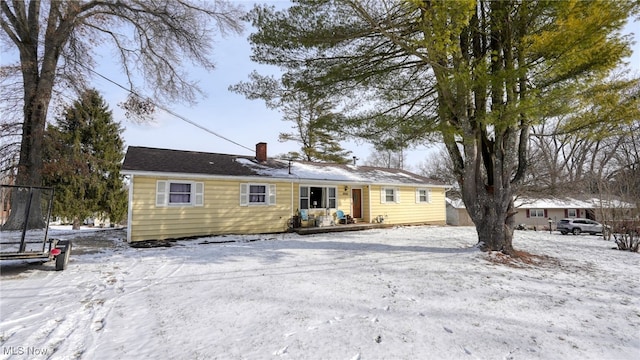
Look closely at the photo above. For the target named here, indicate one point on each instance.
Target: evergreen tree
(310, 110)
(475, 73)
(50, 52)
(82, 159)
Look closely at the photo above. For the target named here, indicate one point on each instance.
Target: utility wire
(166, 109)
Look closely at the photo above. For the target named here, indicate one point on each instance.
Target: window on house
(539, 213)
(423, 195)
(257, 194)
(179, 193)
(304, 197)
(331, 197)
(316, 197)
(572, 213)
(389, 195)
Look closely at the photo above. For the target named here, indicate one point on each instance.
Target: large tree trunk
(492, 213)
(76, 223)
(30, 163)
(489, 150)
(27, 207)
(38, 87)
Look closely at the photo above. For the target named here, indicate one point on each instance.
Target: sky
(239, 119)
(229, 114)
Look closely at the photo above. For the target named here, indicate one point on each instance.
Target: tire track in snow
(69, 328)
(75, 323)
(56, 321)
(118, 282)
(41, 311)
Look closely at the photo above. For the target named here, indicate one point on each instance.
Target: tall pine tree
(311, 111)
(475, 74)
(82, 159)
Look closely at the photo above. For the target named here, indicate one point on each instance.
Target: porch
(339, 228)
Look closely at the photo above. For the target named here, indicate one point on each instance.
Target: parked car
(578, 225)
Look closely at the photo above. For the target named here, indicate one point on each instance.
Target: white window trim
(383, 195)
(300, 197)
(270, 195)
(334, 197)
(162, 193)
(534, 213)
(575, 213)
(428, 194)
(325, 192)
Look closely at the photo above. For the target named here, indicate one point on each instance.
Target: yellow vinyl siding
(366, 203)
(407, 210)
(343, 202)
(221, 212)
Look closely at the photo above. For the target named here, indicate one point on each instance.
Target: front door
(356, 196)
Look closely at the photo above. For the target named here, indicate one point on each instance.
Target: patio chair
(341, 217)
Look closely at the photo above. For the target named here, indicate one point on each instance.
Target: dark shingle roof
(188, 162)
(144, 159)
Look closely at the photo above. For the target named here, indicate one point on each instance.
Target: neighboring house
(178, 194)
(537, 212)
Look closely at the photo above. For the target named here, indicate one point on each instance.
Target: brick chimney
(261, 152)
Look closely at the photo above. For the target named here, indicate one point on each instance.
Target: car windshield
(564, 221)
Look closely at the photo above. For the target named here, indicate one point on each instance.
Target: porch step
(339, 228)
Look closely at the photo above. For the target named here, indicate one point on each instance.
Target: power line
(166, 109)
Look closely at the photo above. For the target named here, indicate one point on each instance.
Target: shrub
(628, 240)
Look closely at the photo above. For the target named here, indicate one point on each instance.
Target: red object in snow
(55, 252)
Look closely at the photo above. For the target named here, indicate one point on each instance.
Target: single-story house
(178, 194)
(537, 212)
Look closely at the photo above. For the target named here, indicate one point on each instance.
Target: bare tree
(387, 158)
(440, 167)
(558, 161)
(622, 177)
(56, 42)
(576, 154)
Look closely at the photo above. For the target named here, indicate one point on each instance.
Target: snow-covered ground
(400, 293)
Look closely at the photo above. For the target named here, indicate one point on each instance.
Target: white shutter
(429, 195)
(272, 194)
(383, 196)
(417, 196)
(199, 196)
(161, 193)
(244, 194)
(396, 195)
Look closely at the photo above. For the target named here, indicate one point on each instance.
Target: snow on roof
(335, 172)
(570, 203)
(551, 203)
(558, 203)
(456, 203)
(144, 159)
